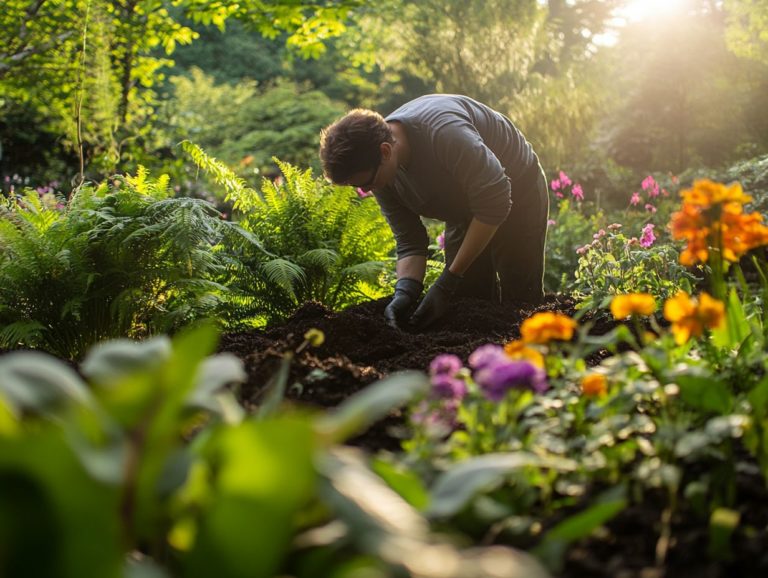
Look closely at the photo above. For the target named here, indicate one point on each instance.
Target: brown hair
(352, 144)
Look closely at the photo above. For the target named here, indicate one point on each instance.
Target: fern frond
(285, 274)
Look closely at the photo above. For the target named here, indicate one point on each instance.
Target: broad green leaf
(705, 393)
(275, 388)
(371, 404)
(553, 546)
(263, 477)
(55, 519)
(215, 373)
(404, 481)
(458, 485)
(111, 361)
(32, 381)
(736, 327)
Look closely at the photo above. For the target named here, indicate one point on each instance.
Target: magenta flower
(555, 184)
(559, 195)
(650, 185)
(445, 364)
(650, 208)
(635, 200)
(577, 192)
(363, 193)
(564, 179)
(551, 222)
(647, 238)
(441, 241)
(497, 379)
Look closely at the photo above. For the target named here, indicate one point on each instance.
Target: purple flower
(486, 356)
(448, 387)
(577, 192)
(635, 200)
(439, 420)
(445, 364)
(647, 238)
(363, 193)
(496, 380)
(441, 240)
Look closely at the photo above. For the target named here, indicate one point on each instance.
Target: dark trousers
(511, 268)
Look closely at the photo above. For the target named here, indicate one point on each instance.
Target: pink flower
(614, 226)
(647, 238)
(559, 195)
(577, 192)
(635, 200)
(582, 250)
(551, 222)
(599, 234)
(564, 179)
(650, 207)
(362, 193)
(555, 185)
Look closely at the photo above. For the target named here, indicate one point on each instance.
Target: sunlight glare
(637, 10)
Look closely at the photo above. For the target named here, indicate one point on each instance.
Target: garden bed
(361, 348)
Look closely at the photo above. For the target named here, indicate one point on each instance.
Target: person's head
(353, 149)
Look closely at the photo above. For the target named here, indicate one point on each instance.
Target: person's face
(379, 176)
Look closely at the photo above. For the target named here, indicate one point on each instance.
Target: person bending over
(451, 158)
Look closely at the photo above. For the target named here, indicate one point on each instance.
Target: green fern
(327, 244)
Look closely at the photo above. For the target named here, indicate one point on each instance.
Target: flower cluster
(495, 373)
(622, 306)
(712, 219)
(690, 316)
(560, 184)
(547, 326)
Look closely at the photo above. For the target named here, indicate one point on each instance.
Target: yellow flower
(594, 384)
(315, 337)
(623, 306)
(546, 326)
(519, 350)
(706, 193)
(690, 317)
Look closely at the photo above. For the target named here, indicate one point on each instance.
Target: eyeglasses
(368, 185)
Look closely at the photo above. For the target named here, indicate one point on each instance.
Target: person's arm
(478, 236)
(412, 267)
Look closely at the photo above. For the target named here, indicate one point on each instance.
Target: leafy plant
(326, 244)
(175, 480)
(123, 258)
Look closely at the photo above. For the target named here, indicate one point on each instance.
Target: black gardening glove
(437, 301)
(403, 302)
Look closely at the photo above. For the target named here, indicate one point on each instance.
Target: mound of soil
(361, 348)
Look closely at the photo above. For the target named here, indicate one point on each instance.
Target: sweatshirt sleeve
(461, 150)
(409, 232)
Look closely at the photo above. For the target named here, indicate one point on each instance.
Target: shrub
(325, 242)
(122, 258)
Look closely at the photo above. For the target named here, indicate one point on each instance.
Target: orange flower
(623, 306)
(690, 317)
(712, 217)
(546, 326)
(519, 350)
(706, 193)
(594, 384)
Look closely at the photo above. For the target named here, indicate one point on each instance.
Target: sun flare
(636, 10)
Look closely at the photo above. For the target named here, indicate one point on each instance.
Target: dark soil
(361, 348)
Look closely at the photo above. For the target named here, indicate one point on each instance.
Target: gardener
(451, 158)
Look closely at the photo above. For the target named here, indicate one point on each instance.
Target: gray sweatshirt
(467, 160)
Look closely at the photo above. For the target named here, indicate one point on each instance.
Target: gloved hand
(437, 301)
(403, 302)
